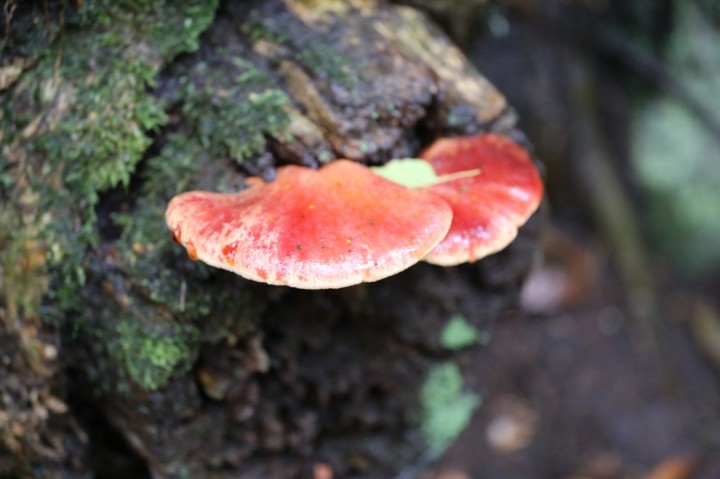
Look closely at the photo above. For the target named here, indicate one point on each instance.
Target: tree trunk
(110, 109)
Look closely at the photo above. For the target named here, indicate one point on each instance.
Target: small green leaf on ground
(459, 333)
(447, 408)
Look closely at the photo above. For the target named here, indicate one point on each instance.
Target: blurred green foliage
(459, 334)
(446, 407)
(676, 158)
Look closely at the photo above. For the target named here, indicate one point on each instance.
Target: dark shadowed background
(611, 368)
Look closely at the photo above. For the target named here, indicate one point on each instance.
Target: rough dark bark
(202, 373)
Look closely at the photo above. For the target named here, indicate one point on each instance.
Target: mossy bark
(111, 108)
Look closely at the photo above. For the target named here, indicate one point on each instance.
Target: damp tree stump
(118, 354)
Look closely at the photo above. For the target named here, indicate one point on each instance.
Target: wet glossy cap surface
(312, 229)
(489, 207)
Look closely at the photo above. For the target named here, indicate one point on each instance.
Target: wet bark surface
(173, 369)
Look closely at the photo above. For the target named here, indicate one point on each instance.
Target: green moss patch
(153, 352)
(232, 105)
(84, 113)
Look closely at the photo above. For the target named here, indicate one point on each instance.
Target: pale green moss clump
(152, 353)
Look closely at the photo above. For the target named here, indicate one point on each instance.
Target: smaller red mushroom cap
(313, 229)
(502, 192)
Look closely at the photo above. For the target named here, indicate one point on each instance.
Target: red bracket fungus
(488, 206)
(345, 224)
(312, 229)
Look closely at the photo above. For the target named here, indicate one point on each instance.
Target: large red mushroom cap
(313, 229)
(500, 192)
